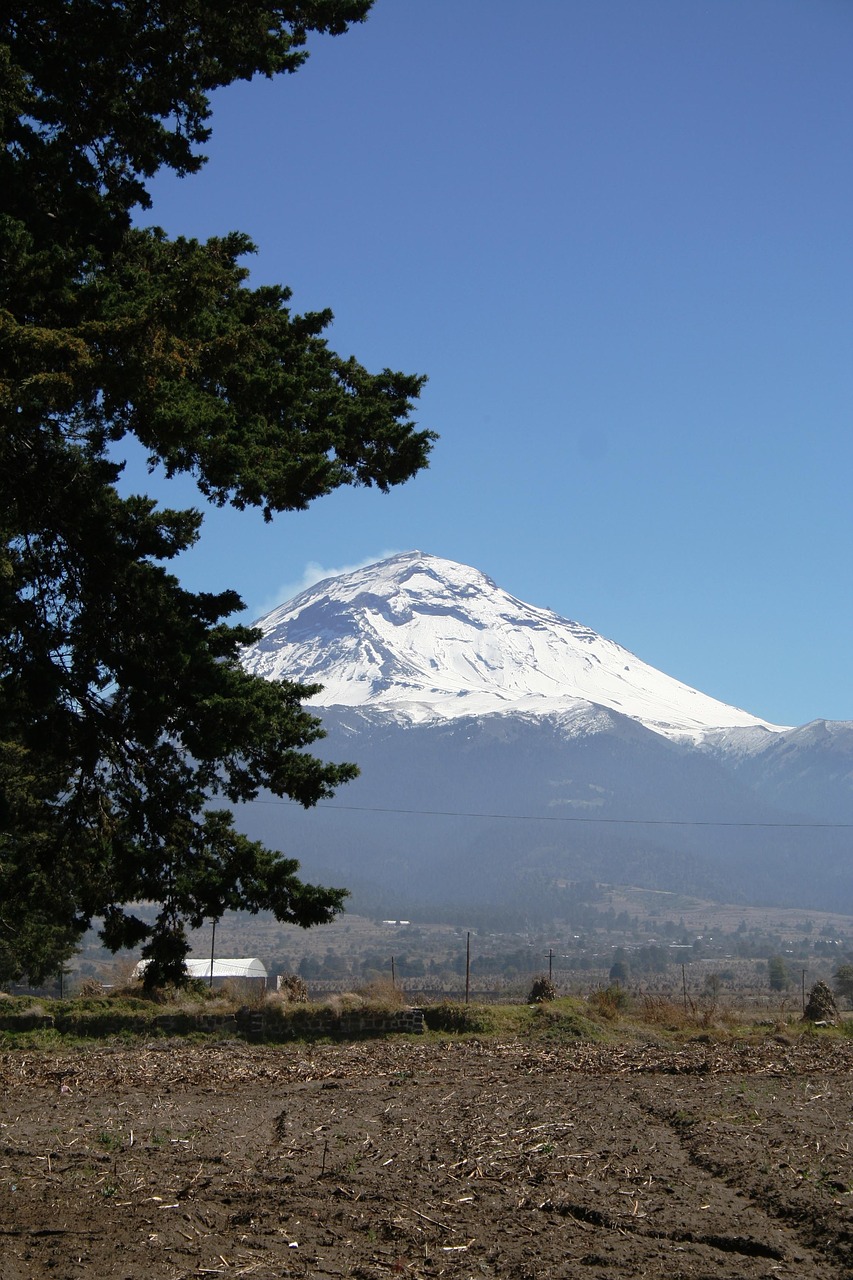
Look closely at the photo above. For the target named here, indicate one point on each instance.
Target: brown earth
(424, 1159)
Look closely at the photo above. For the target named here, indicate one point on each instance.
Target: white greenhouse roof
(241, 967)
(227, 967)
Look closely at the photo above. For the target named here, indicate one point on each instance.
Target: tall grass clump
(609, 1002)
(382, 993)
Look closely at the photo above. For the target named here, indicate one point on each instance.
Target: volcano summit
(426, 639)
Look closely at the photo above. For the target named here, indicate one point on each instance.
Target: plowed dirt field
(409, 1159)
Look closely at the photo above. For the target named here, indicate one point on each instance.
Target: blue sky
(617, 237)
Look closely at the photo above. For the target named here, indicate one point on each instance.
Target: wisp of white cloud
(312, 573)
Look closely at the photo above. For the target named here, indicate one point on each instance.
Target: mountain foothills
(507, 754)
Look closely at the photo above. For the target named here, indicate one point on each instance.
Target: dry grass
(385, 993)
(660, 1011)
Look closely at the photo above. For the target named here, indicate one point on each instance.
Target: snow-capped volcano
(464, 707)
(426, 639)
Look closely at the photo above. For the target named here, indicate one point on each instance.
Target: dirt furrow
(460, 1160)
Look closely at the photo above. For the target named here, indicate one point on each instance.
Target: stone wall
(259, 1024)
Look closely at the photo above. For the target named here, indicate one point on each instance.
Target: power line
(547, 817)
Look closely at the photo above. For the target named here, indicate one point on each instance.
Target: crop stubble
(401, 1158)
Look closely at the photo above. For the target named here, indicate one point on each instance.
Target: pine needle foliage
(124, 710)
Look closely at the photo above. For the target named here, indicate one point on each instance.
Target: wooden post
(393, 973)
(467, 968)
(805, 971)
(684, 987)
(212, 950)
(550, 963)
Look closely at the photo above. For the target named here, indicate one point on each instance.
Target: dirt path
(408, 1159)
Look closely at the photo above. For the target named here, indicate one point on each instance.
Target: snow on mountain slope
(425, 639)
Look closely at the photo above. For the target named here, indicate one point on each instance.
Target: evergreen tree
(842, 981)
(780, 979)
(123, 705)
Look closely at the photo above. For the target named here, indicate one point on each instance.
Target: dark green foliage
(123, 705)
(777, 973)
(842, 981)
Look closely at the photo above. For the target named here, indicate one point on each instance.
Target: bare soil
(425, 1159)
